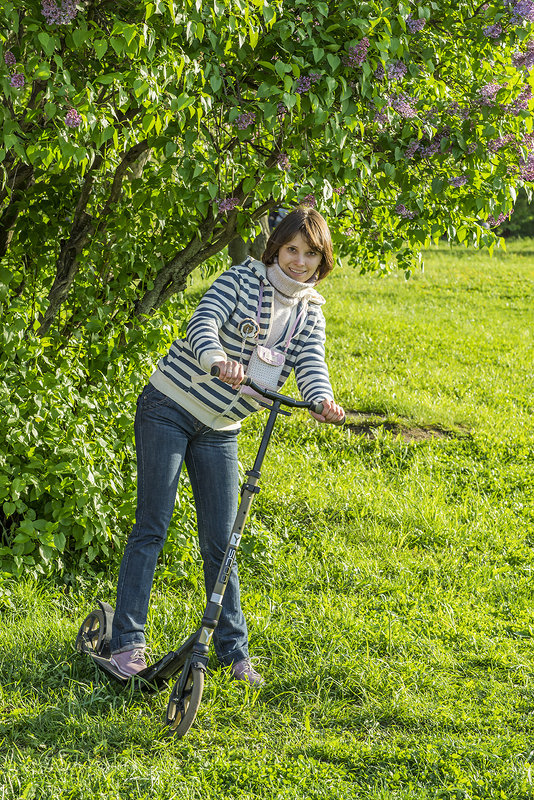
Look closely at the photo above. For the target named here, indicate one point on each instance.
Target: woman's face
(298, 260)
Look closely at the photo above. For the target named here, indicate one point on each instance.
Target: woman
(253, 311)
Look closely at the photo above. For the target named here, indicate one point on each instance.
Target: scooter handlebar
(283, 399)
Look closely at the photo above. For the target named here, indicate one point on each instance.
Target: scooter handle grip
(215, 371)
(317, 408)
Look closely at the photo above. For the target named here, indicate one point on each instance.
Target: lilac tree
(139, 138)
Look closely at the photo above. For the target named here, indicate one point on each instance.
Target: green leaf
(100, 46)
(334, 61)
(48, 43)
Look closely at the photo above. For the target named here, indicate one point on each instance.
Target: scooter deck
(155, 675)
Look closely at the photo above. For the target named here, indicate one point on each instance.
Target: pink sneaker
(244, 671)
(130, 662)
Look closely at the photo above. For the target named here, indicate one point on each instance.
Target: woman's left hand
(332, 413)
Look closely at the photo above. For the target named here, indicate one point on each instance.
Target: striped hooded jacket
(233, 297)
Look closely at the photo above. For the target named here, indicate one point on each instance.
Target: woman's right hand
(231, 372)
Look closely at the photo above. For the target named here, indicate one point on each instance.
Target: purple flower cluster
(493, 31)
(402, 104)
(524, 60)
(523, 10)
(17, 80)
(402, 211)
(281, 110)
(489, 92)
(527, 168)
(357, 54)
(227, 204)
(244, 120)
(411, 150)
(494, 145)
(309, 200)
(380, 116)
(455, 109)
(461, 180)
(397, 70)
(72, 118)
(9, 58)
(380, 73)
(340, 190)
(493, 223)
(283, 161)
(521, 103)
(60, 14)
(431, 149)
(415, 25)
(305, 81)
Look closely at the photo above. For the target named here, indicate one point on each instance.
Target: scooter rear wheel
(184, 703)
(92, 633)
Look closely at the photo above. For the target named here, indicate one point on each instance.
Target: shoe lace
(138, 654)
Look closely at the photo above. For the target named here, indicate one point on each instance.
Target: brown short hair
(313, 227)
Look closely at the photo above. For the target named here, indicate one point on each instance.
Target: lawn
(387, 582)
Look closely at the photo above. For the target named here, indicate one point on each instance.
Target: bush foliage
(137, 140)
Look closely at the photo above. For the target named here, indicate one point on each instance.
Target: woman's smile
(298, 260)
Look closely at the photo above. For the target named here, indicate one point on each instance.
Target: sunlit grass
(387, 582)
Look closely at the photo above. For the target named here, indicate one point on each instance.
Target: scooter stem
(248, 490)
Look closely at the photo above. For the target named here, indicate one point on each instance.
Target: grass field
(387, 583)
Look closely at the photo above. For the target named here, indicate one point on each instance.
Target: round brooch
(249, 328)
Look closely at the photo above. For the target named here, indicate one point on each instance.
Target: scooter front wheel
(184, 702)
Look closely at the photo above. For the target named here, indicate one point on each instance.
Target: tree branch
(82, 228)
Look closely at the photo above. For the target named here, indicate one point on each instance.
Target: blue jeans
(166, 435)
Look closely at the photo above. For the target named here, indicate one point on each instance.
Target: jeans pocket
(151, 397)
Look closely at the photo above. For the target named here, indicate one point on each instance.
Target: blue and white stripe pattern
(232, 298)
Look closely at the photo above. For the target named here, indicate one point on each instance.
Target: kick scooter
(190, 660)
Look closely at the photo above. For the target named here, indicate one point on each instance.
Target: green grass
(387, 583)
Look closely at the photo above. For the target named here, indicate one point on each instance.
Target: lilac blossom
(402, 104)
(244, 120)
(521, 103)
(489, 92)
(411, 150)
(72, 118)
(527, 168)
(340, 190)
(309, 200)
(415, 25)
(59, 14)
(522, 10)
(9, 58)
(460, 180)
(494, 145)
(281, 110)
(493, 223)
(397, 70)
(493, 31)
(17, 80)
(431, 149)
(380, 116)
(305, 81)
(380, 73)
(524, 60)
(283, 161)
(357, 54)
(402, 211)
(227, 204)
